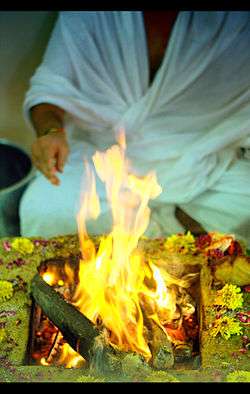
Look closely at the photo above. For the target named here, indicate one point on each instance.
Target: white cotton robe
(188, 124)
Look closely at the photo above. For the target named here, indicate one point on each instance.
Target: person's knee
(45, 214)
(46, 222)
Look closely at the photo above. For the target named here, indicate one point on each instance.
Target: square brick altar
(220, 359)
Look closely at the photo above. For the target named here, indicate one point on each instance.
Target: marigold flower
(23, 245)
(230, 297)
(6, 290)
(225, 326)
(181, 243)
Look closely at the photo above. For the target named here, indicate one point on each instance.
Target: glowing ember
(48, 278)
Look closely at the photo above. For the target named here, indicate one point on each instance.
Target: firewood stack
(89, 341)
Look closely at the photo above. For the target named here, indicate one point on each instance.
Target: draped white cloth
(187, 125)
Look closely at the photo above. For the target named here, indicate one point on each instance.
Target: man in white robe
(189, 124)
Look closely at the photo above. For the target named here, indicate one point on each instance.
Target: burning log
(159, 343)
(161, 348)
(77, 330)
(106, 360)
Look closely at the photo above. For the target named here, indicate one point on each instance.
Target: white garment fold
(187, 125)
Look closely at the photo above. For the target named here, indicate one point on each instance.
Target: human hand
(49, 154)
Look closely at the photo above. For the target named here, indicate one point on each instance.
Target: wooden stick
(162, 349)
(77, 330)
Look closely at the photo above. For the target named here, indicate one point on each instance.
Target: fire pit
(121, 306)
(21, 319)
(174, 343)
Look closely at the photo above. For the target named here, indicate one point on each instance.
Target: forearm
(45, 117)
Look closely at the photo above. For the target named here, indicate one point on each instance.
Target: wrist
(54, 130)
(45, 131)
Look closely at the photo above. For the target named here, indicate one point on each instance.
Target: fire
(117, 287)
(48, 278)
(70, 358)
(61, 353)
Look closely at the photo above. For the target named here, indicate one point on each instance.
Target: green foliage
(238, 376)
(89, 379)
(3, 335)
(161, 376)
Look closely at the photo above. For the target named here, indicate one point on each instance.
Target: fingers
(52, 165)
(61, 158)
(48, 171)
(49, 154)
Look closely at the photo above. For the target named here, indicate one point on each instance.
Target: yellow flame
(70, 358)
(112, 287)
(49, 278)
(44, 362)
(117, 288)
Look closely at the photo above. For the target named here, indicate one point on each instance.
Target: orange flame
(112, 280)
(117, 288)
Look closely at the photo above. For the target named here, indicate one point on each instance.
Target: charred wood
(161, 348)
(77, 330)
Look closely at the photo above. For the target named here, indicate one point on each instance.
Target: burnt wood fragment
(161, 348)
(76, 328)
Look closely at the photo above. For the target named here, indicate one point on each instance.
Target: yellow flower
(22, 245)
(181, 243)
(226, 327)
(6, 290)
(3, 335)
(230, 297)
(239, 376)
